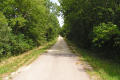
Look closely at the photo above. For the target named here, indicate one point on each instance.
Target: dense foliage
(93, 24)
(25, 24)
(106, 33)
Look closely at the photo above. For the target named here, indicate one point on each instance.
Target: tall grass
(11, 64)
(103, 68)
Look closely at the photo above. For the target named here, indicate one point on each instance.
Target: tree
(27, 23)
(82, 16)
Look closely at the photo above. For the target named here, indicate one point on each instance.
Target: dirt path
(58, 64)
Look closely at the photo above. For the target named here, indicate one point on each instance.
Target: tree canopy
(25, 24)
(93, 24)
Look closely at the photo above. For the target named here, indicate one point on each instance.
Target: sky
(61, 21)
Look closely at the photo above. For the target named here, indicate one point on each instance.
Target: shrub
(106, 35)
(4, 35)
(19, 44)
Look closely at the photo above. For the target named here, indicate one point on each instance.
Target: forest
(25, 24)
(28, 28)
(93, 25)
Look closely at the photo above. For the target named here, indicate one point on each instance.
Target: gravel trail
(59, 63)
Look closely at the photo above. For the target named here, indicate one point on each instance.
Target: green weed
(104, 69)
(11, 64)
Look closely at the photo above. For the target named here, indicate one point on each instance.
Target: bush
(19, 44)
(106, 35)
(5, 49)
(4, 35)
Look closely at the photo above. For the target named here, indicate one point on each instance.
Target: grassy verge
(11, 64)
(102, 69)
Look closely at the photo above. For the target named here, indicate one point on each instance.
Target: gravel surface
(59, 63)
